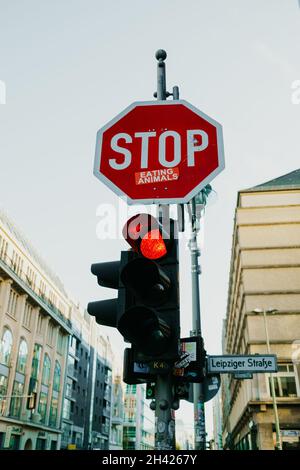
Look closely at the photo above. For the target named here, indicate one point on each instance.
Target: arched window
(57, 374)
(5, 347)
(46, 370)
(22, 356)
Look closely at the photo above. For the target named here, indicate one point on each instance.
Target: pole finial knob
(161, 54)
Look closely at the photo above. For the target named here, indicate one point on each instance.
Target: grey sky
(70, 66)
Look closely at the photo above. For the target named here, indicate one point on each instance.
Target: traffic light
(151, 323)
(146, 311)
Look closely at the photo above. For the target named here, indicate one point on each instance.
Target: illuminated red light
(152, 245)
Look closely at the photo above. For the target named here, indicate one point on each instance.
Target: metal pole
(199, 410)
(164, 415)
(277, 425)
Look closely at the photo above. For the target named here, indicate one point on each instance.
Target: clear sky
(70, 66)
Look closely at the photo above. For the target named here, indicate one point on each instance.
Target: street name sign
(232, 364)
(161, 152)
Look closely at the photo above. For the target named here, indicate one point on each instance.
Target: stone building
(264, 276)
(34, 331)
(138, 424)
(55, 365)
(117, 415)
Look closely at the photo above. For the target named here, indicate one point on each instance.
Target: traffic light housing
(146, 311)
(152, 321)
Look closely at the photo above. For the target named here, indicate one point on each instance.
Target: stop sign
(159, 152)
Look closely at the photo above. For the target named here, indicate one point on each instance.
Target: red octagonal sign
(159, 152)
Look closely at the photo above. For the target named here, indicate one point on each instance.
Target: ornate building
(34, 331)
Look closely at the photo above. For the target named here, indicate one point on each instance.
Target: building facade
(87, 401)
(217, 423)
(116, 431)
(138, 424)
(55, 365)
(34, 331)
(264, 276)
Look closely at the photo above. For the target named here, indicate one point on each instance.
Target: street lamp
(277, 426)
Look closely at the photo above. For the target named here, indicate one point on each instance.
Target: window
(50, 333)
(3, 385)
(72, 347)
(27, 315)
(3, 393)
(12, 303)
(71, 365)
(130, 388)
(36, 361)
(16, 400)
(22, 356)
(53, 412)
(69, 384)
(46, 370)
(40, 444)
(57, 375)
(40, 324)
(42, 409)
(5, 347)
(66, 409)
(284, 381)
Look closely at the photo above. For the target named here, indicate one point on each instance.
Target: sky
(68, 67)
